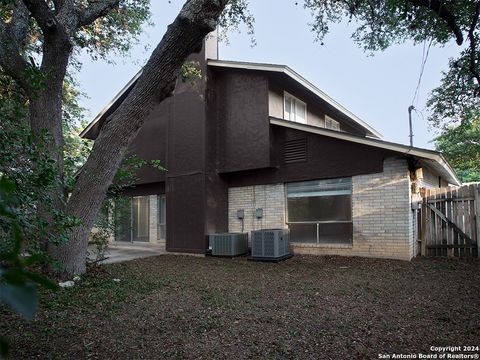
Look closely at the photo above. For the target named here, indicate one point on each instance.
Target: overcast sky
(378, 89)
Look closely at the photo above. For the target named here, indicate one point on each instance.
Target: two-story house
(253, 146)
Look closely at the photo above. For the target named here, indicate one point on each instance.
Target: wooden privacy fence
(449, 221)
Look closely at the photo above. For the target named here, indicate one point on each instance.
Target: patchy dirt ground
(172, 307)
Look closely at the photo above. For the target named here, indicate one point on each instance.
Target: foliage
(190, 72)
(100, 238)
(456, 100)
(235, 15)
(461, 145)
(382, 23)
(24, 160)
(115, 33)
(18, 282)
(386, 22)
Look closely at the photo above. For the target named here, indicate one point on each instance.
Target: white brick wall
(383, 222)
(153, 219)
(270, 198)
(382, 216)
(430, 180)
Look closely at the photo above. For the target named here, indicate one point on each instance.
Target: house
(253, 146)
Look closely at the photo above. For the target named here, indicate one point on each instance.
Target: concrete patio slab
(118, 252)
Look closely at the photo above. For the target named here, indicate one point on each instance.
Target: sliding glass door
(132, 221)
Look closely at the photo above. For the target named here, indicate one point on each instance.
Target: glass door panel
(123, 219)
(162, 231)
(140, 209)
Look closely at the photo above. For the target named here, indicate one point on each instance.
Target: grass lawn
(176, 307)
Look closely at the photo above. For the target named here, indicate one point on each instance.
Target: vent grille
(295, 151)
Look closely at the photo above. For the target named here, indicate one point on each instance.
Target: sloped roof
(430, 158)
(283, 69)
(91, 131)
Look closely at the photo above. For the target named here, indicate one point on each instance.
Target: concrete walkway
(120, 252)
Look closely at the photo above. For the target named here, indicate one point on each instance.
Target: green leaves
(116, 32)
(461, 146)
(190, 72)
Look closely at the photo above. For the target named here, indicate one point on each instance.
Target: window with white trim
(294, 109)
(331, 124)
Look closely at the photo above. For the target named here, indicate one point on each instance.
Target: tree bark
(45, 115)
(183, 37)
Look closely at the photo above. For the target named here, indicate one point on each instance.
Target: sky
(378, 89)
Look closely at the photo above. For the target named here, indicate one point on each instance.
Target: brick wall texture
(270, 198)
(383, 222)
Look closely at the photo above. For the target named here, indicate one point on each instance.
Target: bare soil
(173, 307)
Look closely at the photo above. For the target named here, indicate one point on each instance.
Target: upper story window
(294, 109)
(331, 124)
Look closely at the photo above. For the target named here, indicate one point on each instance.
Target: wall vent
(295, 151)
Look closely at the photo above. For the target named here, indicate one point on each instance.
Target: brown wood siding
(185, 214)
(316, 108)
(150, 143)
(244, 128)
(326, 158)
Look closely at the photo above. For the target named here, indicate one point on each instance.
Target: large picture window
(320, 211)
(294, 109)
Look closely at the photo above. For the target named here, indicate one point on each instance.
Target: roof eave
(399, 148)
(119, 95)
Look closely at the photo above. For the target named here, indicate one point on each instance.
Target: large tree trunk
(45, 114)
(183, 37)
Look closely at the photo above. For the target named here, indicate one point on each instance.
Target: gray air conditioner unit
(228, 244)
(270, 244)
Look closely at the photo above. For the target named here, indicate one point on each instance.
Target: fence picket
(450, 221)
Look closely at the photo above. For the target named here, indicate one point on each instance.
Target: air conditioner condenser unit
(228, 244)
(270, 245)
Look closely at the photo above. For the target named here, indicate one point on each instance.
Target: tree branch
(42, 14)
(19, 22)
(446, 15)
(10, 59)
(473, 45)
(97, 9)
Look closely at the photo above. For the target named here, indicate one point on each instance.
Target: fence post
(423, 224)
(477, 216)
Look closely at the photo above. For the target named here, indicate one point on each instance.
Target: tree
(461, 145)
(56, 29)
(455, 111)
(61, 27)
